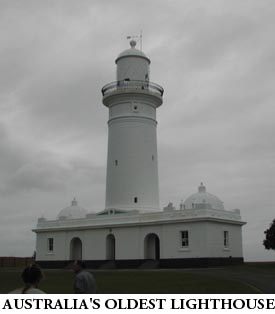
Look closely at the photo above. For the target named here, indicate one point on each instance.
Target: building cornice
(140, 219)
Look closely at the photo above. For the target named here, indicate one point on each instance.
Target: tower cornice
(132, 94)
(132, 119)
(129, 85)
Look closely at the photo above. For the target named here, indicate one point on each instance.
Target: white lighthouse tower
(132, 163)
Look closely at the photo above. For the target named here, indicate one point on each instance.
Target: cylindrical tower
(132, 163)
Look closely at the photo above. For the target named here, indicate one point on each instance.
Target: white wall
(60, 246)
(205, 240)
(133, 68)
(215, 245)
(132, 144)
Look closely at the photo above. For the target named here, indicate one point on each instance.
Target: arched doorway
(76, 249)
(151, 247)
(110, 247)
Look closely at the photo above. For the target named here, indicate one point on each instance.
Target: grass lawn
(143, 281)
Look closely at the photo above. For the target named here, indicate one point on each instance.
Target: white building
(132, 229)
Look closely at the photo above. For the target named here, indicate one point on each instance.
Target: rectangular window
(135, 199)
(50, 244)
(184, 238)
(226, 239)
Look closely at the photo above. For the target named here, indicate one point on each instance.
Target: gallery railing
(130, 85)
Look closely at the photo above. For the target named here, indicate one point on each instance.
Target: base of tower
(149, 264)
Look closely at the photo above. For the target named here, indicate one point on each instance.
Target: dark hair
(31, 274)
(82, 264)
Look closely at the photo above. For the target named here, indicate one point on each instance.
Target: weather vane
(139, 37)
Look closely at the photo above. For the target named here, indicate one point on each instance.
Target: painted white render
(132, 64)
(205, 227)
(132, 162)
(132, 227)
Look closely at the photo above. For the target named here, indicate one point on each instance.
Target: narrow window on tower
(135, 199)
(153, 157)
(50, 244)
(135, 108)
(116, 162)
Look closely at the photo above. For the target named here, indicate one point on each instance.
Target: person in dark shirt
(84, 281)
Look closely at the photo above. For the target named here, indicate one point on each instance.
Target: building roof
(72, 212)
(203, 199)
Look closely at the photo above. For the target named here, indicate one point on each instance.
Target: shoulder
(88, 274)
(82, 273)
(16, 291)
(34, 291)
(29, 291)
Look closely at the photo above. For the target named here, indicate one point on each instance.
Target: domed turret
(72, 212)
(203, 200)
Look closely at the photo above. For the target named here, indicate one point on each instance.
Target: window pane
(50, 244)
(226, 238)
(184, 238)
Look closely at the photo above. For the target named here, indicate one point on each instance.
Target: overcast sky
(216, 62)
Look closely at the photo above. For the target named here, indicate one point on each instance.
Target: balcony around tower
(130, 86)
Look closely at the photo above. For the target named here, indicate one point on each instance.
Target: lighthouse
(131, 231)
(132, 161)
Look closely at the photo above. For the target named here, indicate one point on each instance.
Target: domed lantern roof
(203, 200)
(72, 212)
(132, 52)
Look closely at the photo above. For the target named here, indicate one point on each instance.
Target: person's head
(78, 266)
(32, 275)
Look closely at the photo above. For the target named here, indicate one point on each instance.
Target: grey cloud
(12, 155)
(48, 173)
(37, 176)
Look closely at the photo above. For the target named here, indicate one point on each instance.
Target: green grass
(135, 281)
(167, 282)
(259, 267)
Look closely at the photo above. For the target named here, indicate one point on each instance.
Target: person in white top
(31, 276)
